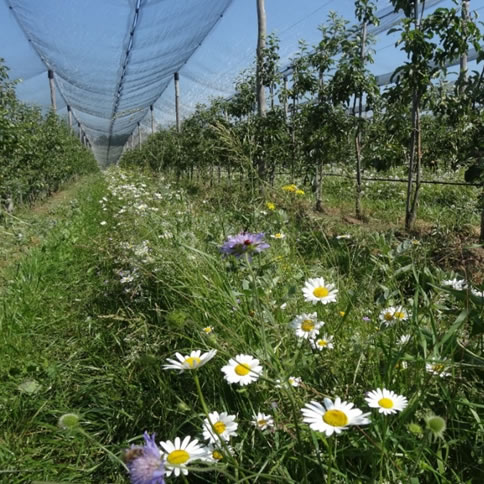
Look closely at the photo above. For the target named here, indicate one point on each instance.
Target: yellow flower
(270, 205)
(289, 188)
(341, 313)
(299, 192)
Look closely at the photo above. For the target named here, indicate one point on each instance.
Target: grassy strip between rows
(131, 272)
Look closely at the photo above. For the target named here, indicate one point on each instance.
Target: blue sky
(84, 40)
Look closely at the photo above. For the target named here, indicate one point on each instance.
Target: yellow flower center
(278, 235)
(208, 329)
(388, 316)
(219, 427)
(385, 402)
(307, 325)
(335, 418)
(261, 422)
(438, 367)
(341, 313)
(217, 455)
(178, 457)
(242, 369)
(399, 315)
(192, 361)
(322, 342)
(320, 292)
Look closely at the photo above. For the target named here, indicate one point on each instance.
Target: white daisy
(392, 314)
(306, 325)
(333, 417)
(217, 453)
(279, 235)
(386, 401)
(456, 284)
(192, 362)
(219, 426)
(243, 369)
(316, 290)
(437, 368)
(322, 343)
(178, 454)
(207, 329)
(263, 421)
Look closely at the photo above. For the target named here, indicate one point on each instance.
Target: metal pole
(50, 74)
(139, 134)
(177, 101)
(80, 130)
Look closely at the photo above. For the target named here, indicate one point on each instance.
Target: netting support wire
(152, 119)
(177, 101)
(50, 75)
(69, 116)
(400, 180)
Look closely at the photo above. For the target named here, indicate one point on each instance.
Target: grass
(131, 272)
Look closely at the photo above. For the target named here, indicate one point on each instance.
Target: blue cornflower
(244, 243)
(144, 463)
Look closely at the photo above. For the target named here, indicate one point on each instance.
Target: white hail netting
(111, 69)
(114, 58)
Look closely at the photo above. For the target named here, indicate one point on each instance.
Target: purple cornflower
(244, 243)
(144, 463)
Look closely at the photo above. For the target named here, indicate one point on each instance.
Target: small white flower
(243, 369)
(278, 236)
(392, 314)
(322, 343)
(437, 368)
(404, 339)
(456, 284)
(178, 454)
(219, 426)
(477, 293)
(344, 236)
(208, 329)
(333, 417)
(263, 421)
(306, 325)
(316, 290)
(294, 381)
(217, 452)
(192, 362)
(103, 222)
(386, 401)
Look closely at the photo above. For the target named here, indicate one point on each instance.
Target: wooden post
(463, 58)
(285, 97)
(69, 117)
(261, 44)
(177, 101)
(50, 74)
(152, 120)
(139, 135)
(358, 129)
(80, 130)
